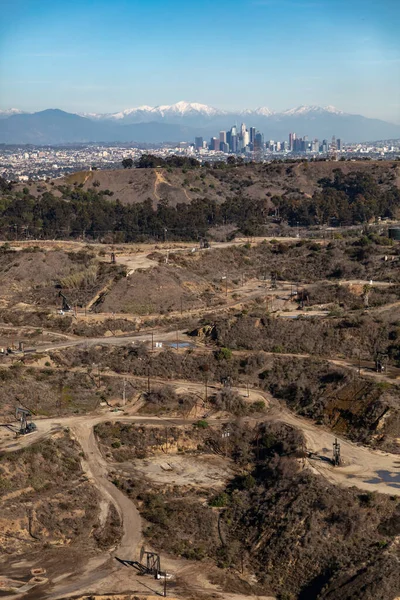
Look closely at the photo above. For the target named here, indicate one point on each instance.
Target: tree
(127, 163)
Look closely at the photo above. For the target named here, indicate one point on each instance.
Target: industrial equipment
(24, 416)
(66, 307)
(204, 244)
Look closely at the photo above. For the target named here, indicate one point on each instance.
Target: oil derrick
(336, 453)
(153, 566)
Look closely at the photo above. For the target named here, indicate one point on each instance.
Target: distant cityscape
(24, 163)
(245, 141)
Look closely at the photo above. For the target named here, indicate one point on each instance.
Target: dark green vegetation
(248, 197)
(346, 200)
(297, 535)
(149, 161)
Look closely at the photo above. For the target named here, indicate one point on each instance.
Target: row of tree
(345, 199)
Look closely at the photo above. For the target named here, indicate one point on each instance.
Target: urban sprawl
(24, 163)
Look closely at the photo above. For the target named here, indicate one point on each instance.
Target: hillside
(253, 181)
(188, 405)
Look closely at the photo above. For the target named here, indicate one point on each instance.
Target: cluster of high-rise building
(303, 144)
(236, 140)
(240, 140)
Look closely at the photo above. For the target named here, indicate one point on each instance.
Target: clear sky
(104, 56)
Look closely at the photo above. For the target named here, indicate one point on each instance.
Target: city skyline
(96, 56)
(250, 141)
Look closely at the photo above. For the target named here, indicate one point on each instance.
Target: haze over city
(105, 57)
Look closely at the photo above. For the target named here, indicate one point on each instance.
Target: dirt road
(362, 467)
(96, 468)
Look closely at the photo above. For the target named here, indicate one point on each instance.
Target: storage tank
(394, 233)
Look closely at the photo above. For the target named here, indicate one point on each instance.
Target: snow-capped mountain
(188, 108)
(9, 112)
(264, 111)
(172, 112)
(184, 121)
(307, 110)
(202, 113)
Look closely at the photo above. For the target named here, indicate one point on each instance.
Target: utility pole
(124, 392)
(148, 379)
(181, 305)
(177, 341)
(336, 453)
(225, 436)
(152, 341)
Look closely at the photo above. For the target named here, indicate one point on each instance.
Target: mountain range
(183, 121)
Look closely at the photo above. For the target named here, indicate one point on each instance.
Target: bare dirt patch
(200, 471)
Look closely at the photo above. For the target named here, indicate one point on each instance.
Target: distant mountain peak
(185, 108)
(264, 111)
(305, 109)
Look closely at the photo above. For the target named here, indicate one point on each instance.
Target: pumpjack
(65, 304)
(24, 417)
(204, 243)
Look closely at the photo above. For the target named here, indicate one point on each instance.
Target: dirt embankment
(163, 289)
(33, 277)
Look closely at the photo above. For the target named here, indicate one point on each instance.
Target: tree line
(343, 200)
(93, 213)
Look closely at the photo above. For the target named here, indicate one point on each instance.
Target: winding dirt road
(362, 467)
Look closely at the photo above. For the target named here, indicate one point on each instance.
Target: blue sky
(93, 55)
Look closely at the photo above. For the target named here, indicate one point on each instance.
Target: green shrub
(201, 424)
